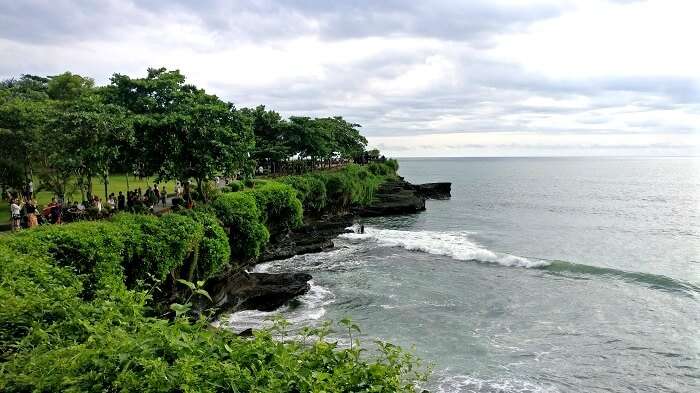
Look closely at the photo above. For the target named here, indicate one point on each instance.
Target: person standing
(111, 202)
(30, 209)
(156, 191)
(121, 201)
(16, 212)
(163, 195)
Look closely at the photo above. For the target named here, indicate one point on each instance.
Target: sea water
(538, 275)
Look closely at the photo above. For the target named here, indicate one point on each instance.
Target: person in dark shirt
(120, 201)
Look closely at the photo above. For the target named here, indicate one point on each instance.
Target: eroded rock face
(434, 190)
(316, 235)
(393, 197)
(255, 291)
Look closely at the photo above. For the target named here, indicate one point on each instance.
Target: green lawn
(116, 183)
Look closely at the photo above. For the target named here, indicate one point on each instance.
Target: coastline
(262, 291)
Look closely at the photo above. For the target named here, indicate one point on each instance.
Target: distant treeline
(62, 132)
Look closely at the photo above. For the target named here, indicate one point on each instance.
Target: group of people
(25, 211)
(150, 198)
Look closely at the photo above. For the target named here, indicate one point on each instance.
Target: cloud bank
(424, 78)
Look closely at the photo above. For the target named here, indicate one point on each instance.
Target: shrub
(239, 213)
(157, 246)
(34, 293)
(214, 252)
(92, 250)
(311, 191)
(233, 186)
(279, 205)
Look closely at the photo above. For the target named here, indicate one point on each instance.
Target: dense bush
(239, 213)
(279, 205)
(213, 252)
(353, 185)
(53, 338)
(310, 189)
(157, 246)
(234, 186)
(34, 293)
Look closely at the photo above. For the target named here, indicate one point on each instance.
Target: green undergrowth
(78, 311)
(337, 190)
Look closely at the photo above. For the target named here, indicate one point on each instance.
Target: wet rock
(246, 333)
(434, 190)
(393, 197)
(255, 291)
(316, 235)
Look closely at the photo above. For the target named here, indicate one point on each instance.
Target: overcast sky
(424, 78)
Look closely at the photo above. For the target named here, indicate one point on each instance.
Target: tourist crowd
(25, 212)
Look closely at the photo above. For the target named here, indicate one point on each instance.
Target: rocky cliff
(235, 291)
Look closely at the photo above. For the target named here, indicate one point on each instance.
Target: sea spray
(454, 245)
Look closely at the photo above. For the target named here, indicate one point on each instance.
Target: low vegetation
(81, 309)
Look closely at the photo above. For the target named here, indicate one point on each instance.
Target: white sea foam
(454, 245)
(311, 307)
(464, 383)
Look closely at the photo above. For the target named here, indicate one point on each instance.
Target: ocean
(538, 275)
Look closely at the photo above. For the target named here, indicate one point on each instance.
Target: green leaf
(203, 293)
(185, 282)
(180, 308)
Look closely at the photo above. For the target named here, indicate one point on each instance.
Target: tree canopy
(64, 127)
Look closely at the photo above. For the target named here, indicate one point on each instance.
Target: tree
(309, 139)
(68, 87)
(90, 135)
(271, 142)
(346, 139)
(23, 113)
(180, 131)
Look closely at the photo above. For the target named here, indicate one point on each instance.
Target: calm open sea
(539, 275)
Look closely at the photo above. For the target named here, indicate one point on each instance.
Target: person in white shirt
(15, 210)
(111, 202)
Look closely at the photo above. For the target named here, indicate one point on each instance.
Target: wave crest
(454, 245)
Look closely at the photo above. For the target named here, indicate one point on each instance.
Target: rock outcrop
(316, 235)
(255, 291)
(393, 197)
(434, 190)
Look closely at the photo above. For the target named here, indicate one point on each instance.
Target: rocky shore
(236, 291)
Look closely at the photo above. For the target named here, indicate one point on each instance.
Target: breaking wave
(302, 311)
(454, 245)
(458, 246)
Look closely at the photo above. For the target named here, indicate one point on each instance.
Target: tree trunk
(89, 188)
(105, 178)
(127, 181)
(200, 189)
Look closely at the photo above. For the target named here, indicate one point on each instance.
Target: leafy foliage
(240, 214)
(279, 205)
(53, 338)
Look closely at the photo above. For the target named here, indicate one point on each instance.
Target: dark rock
(394, 197)
(434, 190)
(316, 235)
(246, 333)
(254, 291)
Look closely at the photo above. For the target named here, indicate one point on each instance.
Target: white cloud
(578, 73)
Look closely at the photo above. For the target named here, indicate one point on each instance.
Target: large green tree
(181, 132)
(272, 144)
(90, 133)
